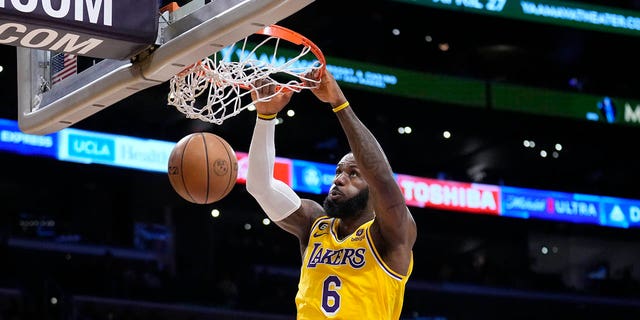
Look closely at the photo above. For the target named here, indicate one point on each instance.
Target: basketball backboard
(186, 35)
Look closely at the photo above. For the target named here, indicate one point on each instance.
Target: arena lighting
(404, 130)
(544, 250)
(557, 147)
(576, 83)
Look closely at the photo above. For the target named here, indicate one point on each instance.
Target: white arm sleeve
(275, 197)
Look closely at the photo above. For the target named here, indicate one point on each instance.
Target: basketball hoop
(276, 55)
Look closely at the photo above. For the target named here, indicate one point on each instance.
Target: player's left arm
(394, 230)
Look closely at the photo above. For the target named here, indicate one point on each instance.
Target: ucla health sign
(114, 150)
(89, 147)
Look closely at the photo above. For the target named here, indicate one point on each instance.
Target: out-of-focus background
(533, 106)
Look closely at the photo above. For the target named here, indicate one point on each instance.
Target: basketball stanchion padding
(203, 168)
(219, 86)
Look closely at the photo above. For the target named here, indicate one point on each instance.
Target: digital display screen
(313, 177)
(562, 13)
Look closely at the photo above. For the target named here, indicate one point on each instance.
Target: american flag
(62, 66)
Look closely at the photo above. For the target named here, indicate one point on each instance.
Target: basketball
(203, 168)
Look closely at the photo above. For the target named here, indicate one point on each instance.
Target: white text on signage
(45, 39)
(63, 10)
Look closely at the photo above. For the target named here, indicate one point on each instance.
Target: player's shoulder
(321, 222)
(312, 210)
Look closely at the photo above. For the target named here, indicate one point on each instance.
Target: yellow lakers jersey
(347, 279)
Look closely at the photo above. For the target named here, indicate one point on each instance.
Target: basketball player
(356, 246)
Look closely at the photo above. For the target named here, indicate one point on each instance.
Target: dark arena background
(532, 106)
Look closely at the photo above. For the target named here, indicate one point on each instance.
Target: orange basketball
(203, 168)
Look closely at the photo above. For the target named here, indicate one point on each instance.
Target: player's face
(349, 193)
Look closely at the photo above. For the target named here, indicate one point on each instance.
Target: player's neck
(348, 225)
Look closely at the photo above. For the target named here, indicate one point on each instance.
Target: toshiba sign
(107, 29)
(449, 195)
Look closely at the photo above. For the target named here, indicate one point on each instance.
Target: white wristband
(275, 197)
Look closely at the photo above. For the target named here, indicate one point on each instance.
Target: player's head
(349, 193)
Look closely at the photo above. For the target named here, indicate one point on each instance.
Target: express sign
(106, 29)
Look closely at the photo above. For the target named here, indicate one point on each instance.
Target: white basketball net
(227, 78)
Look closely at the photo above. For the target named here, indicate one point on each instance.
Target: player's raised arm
(394, 230)
(281, 204)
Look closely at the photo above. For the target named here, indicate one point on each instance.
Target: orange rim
(295, 38)
(171, 7)
(288, 35)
